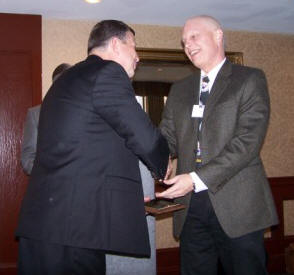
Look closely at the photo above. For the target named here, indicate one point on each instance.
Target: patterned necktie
(204, 93)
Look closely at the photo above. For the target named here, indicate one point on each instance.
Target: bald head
(206, 20)
(202, 40)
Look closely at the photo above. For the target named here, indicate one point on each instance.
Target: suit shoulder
(186, 81)
(94, 63)
(184, 87)
(34, 109)
(98, 62)
(246, 70)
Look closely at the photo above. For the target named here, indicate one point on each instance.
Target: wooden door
(20, 88)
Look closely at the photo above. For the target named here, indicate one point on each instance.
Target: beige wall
(66, 40)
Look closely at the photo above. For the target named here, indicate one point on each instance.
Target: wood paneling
(283, 189)
(20, 88)
(168, 261)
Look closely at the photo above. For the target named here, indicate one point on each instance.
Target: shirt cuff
(199, 185)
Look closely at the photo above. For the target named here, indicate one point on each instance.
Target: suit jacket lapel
(221, 82)
(195, 100)
(195, 88)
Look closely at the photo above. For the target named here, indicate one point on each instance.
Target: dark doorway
(154, 94)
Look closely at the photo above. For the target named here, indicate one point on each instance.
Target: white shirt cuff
(199, 185)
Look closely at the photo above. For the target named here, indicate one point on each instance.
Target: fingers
(182, 184)
(170, 193)
(169, 169)
(168, 173)
(146, 199)
(171, 181)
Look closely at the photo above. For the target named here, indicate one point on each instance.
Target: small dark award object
(158, 206)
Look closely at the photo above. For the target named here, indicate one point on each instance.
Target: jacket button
(50, 199)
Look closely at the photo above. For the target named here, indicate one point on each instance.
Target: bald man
(215, 122)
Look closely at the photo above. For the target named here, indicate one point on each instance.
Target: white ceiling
(251, 15)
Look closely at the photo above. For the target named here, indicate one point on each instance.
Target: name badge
(198, 110)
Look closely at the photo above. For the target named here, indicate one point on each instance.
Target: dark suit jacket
(232, 133)
(85, 188)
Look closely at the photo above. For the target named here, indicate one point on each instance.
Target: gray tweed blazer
(233, 130)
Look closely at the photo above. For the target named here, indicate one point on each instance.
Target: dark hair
(105, 30)
(59, 70)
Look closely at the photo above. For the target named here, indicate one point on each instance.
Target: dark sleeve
(29, 143)
(114, 100)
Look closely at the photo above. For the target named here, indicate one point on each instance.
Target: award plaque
(160, 206)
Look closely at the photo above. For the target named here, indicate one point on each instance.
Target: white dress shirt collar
(213, 73)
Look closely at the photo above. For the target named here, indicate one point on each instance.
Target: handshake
(180, 185)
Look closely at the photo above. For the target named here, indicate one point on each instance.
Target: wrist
(193, 182)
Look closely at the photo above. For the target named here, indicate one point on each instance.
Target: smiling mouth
(194, 52)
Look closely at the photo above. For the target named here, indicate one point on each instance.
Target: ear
(115, 45)
(219, 35)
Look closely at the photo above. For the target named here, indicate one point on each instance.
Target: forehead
(193, 26)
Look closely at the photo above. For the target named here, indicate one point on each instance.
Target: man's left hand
(146, 199)
(181, 185)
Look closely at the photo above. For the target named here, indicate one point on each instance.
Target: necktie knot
(205, 79)
(204, 93)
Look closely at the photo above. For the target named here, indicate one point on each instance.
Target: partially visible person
(85, 183)
(29, 143)
(215, 122)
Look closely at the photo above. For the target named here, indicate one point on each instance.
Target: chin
(131, 74)
(195, 63)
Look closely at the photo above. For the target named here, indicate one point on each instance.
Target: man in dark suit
(30, 134)
(85, 194)
(217, 137)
